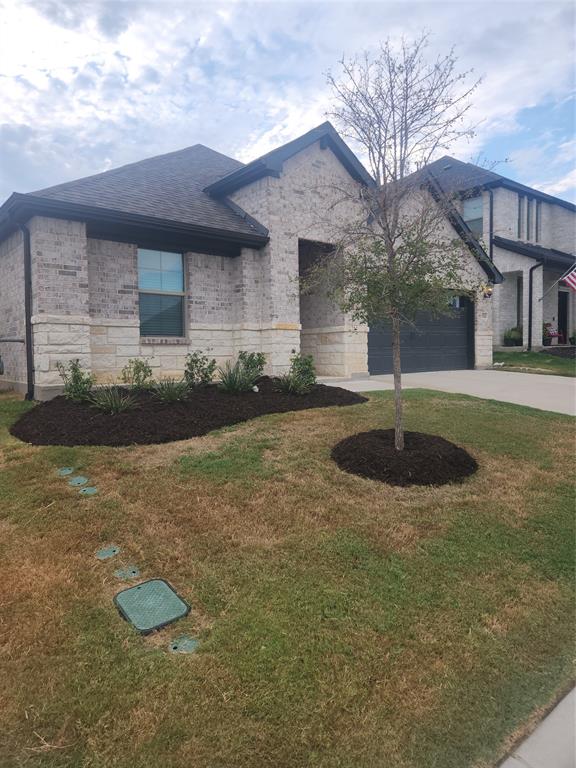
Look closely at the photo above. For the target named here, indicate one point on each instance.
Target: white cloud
(91, 85)
(564, 185)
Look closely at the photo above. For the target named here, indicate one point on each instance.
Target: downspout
(491, 224)
(530, 292)
(28, 312)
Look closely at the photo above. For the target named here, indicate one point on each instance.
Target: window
(161, 293)
(538, 221)
(472, 214)
(529, 202)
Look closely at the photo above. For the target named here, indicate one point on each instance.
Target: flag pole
(557, 281)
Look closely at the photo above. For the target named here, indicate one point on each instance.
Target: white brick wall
(12, 322)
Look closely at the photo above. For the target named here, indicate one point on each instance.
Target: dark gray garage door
(436, 344)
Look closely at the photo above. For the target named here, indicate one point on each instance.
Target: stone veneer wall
(12, 318)
(304, 203)
(60, 301)
(85, 306)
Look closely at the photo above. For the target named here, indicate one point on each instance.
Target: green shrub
(171, 390)
(112, 400)
(301, 377)
(513, 337)
(237, 377)
(253, 362)
(77, 383)
(199, 369)
(137, 373)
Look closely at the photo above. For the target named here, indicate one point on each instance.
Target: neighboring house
(530, 236)
(195, 251)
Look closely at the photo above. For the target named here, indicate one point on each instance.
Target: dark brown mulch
(64, 422)
(425, 460)
(566, 352)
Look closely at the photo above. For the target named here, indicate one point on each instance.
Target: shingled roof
(168, 187)
(456, 177)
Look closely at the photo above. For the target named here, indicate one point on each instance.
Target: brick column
(60, 302)
(537, 307)
(482, 332)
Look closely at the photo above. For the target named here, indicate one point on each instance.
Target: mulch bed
(64, 422)
(425, 460)
(565, 352)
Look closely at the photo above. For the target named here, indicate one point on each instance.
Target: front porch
(533, 308)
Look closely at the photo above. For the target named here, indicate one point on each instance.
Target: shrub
(170, 390)
(137, 373)
(237, 377)
(199, 369)
(77, 383)
(253, 362)
(112, 400)
(513, 337)
(300, 378)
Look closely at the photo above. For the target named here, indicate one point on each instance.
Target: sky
(87, 85)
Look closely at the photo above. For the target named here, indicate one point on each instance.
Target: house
(531, 238)
(194, 250)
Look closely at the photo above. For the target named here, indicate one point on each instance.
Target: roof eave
(464, 232)
(547, 256)
(522, 189)
(20, 207)
(272, 164)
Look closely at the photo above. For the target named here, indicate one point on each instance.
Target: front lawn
(342, 622)
(536, 362)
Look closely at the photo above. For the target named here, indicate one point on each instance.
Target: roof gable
(271, 163)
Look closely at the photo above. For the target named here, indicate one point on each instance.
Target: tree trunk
(396, 367)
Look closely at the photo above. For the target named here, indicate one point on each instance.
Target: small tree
(399, 256)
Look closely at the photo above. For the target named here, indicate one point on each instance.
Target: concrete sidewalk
(548, 393)
(552, 744)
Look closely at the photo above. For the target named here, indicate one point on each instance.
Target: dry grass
(342, 622)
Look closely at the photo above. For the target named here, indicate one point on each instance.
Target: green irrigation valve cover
(151, 605)
(107, 552)
(65, 471)
(130, 572)
(183, 644)
(78, 480)
(90, 490)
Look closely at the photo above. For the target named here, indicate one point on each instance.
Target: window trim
(469, 221)
(164, 338)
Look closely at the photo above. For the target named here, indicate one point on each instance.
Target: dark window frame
(476, 226)
(182, 294)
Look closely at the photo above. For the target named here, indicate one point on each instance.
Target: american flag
(570, 279)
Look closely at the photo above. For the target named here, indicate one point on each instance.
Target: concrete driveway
(548, 393)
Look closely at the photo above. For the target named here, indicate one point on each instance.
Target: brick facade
(557, 231)
(12, 325)
(85, 300)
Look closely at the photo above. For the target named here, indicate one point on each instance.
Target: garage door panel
(435, 344)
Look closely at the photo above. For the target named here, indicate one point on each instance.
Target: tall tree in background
(398, 257)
